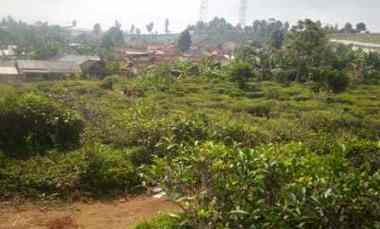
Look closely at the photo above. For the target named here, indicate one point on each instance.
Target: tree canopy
(184, 41)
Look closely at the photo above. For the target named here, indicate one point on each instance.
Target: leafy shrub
(364, 155)
(186, 68)
(238, 134)
(337, 81)
(372, 76)
(328, 120)
(108, 171)
(190, 130)
(322, 143)
(161, 222)
(284, 76)
(159, 78)
(240, 72)
(30, 121)
(56, 174)
(96, 170)
(109, 82)
(269, 187)
(263, 109)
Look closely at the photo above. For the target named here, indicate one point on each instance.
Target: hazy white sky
(184, 12)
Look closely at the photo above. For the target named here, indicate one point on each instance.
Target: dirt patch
(119, 214)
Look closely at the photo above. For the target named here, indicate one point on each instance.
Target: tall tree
(167, 24)
(306, 45)
(114, 37)
(150, 27)
(184, 41)
(117, 24)
(348, 28)
(132, 29)
(97, 30)
(361, 27)
(277, 39)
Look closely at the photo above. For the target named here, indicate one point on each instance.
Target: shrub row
(96, 170)
(274, 186)
(32, 122)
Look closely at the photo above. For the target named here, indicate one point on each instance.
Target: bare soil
(121, 214)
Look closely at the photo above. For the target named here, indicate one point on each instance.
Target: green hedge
(33, 122)
(96, 170)
(285, 186)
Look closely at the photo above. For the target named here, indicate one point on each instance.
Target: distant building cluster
(54, 69)
(155, 54)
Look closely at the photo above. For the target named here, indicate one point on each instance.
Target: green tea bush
(108, 171)
(364, 154)
(39, 176)
(328, 120)
(240, 73)
(284, 76)
(238, 134)
(372, 77)
(263, 109)
(337, 81)
(190, 130)
(109, 82)
(269, 187)
(156, 79)
(31, 121)
(185, 68)
(162, 222)
(96, 170)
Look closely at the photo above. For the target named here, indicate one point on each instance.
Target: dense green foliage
(241, 73)
(94, 170)
(286, 135)
(218, 31)
(159, 115)
(184, 41)
(284, 186)
(38, 41)
(30, 121)
(113, 38)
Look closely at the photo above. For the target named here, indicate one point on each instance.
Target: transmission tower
(243, 12)
(203, 13)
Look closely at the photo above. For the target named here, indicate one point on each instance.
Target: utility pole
(243, 12)
(203, 12)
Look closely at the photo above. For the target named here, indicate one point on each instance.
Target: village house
(46, 70)
(139, 58)
(164, 53)
(9, 72)
(91, 66)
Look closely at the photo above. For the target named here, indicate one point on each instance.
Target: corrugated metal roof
(8, 71)
(137, 53)
(35, 66)
(78, 59)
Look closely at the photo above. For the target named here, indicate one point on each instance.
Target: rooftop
(8, 71)
(35, 66)
(137, 53)
(78, 59)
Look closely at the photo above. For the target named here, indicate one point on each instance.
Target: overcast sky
(184, 12)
